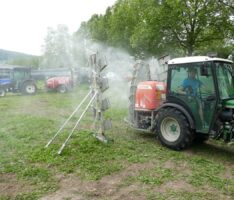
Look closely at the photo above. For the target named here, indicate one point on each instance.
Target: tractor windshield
(225, 80)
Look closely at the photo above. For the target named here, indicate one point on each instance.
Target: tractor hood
(5, 81)
(229, 103)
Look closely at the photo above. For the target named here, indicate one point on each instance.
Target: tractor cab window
(192, 85)
(20, 74)
(225, 80)
(192, 80)
(4, 73)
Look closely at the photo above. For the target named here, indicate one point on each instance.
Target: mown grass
(28, 122)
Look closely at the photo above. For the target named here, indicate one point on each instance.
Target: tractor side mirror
(204, 70)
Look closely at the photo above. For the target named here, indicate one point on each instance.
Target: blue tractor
(16, 79)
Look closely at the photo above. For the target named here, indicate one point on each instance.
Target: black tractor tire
(173, 129)
(29, 88)
(62, 89)
(200, 138)
(2, 93)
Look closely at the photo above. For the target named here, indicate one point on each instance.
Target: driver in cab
(191, 85)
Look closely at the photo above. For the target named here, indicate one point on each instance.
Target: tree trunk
(190, 50)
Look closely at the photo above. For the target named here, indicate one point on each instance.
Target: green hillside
(11, 55)
(17, 58)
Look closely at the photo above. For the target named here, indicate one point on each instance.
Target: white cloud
(23, 23)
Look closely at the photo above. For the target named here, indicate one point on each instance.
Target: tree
(58, 48)
(165, 26)
(194, 23)
(228, 3)
(121, 24)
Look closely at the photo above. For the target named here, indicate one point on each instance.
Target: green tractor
(196, 102)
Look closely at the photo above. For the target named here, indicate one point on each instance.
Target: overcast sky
(23, 23)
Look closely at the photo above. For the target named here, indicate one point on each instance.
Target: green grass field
(132, 166)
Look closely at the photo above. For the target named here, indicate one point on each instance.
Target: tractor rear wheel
(173, 129)
(28, 88)
(62, 89)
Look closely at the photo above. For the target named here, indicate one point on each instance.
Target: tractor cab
(201, 89)
(21, 74)
(195, 102)
(203, 86)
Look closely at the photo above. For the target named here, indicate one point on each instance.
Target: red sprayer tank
(150, 95)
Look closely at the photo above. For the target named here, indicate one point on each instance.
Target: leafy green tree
(121, 24)
(228, 3)
(194, 23)
(159, 26)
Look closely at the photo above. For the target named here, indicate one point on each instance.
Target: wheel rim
(2, 93)
(30, 89)
(170, 129)
(62, 89)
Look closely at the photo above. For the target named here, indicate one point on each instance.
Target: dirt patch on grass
(177, 185)
(109, 187)
(11, 187)
(181, 166)
(115, 187)
(227, 172)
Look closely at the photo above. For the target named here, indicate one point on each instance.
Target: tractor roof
(193, 59)
(10, 67)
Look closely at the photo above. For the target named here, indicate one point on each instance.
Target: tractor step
(136, 128)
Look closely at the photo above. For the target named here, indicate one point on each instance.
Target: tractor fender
(28, 80)
(183, 110)
(21, 83)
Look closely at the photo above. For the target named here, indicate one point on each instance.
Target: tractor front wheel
(2, 93)
(173, 129)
